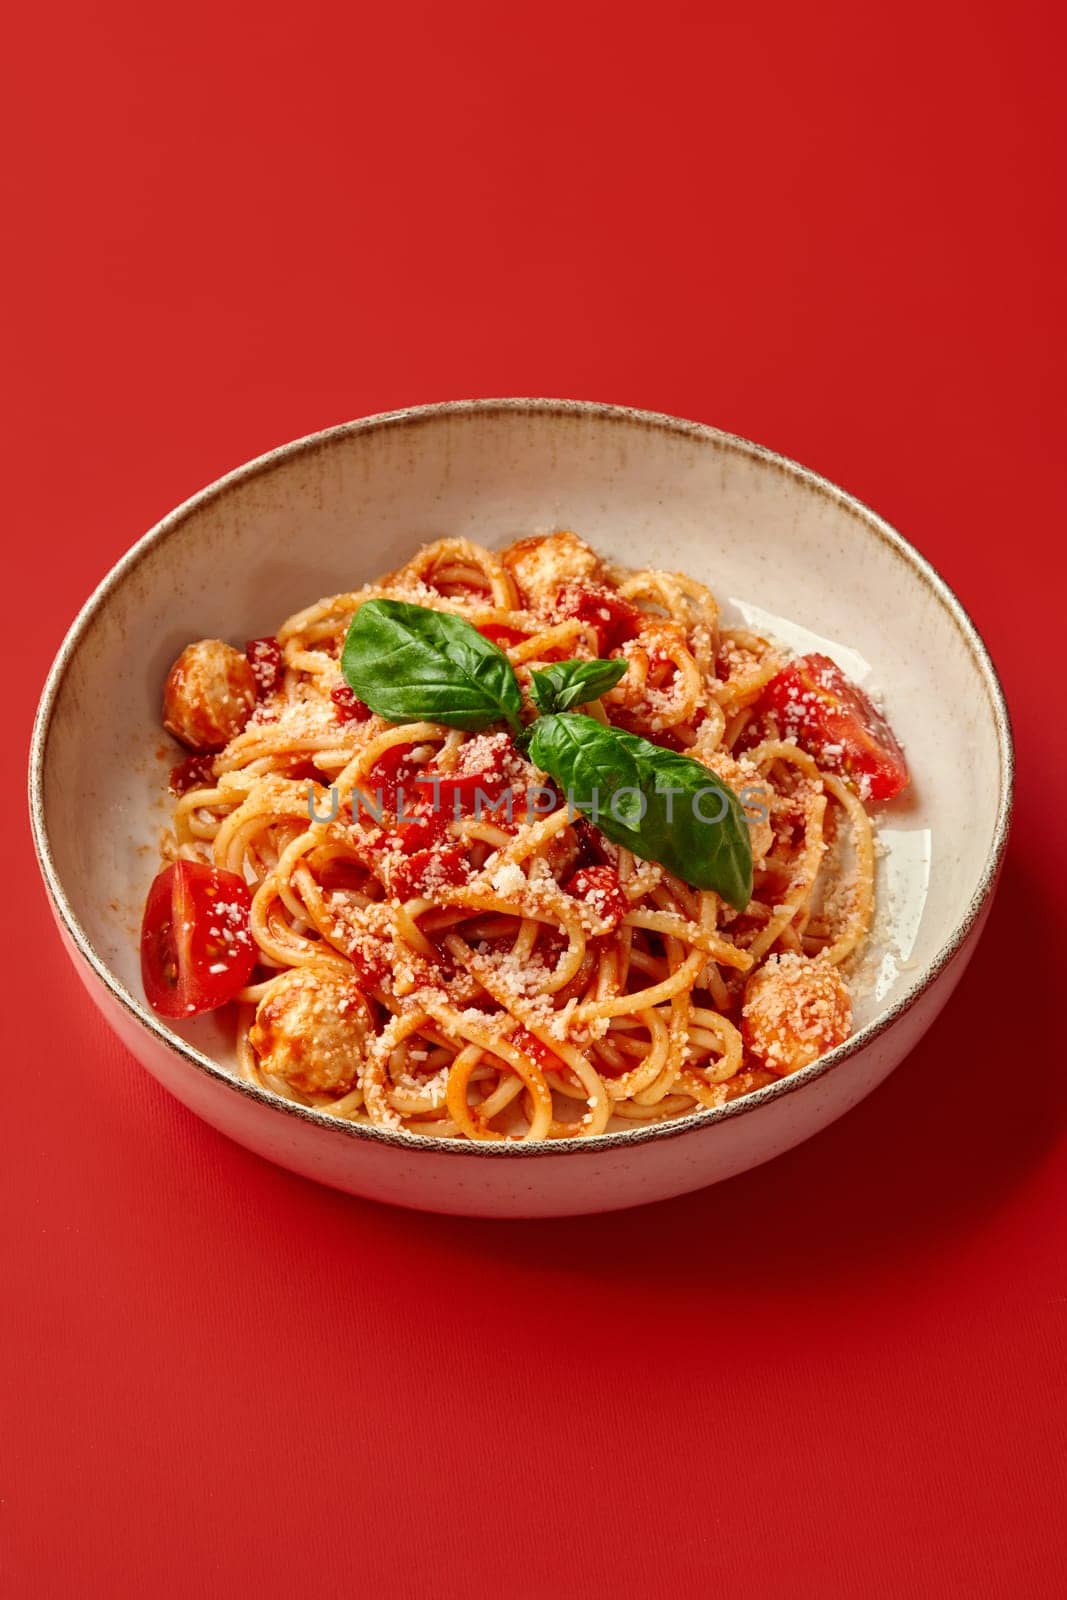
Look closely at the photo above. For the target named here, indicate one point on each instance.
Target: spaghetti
(509, 973)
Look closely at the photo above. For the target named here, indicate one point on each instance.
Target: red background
(837, 230)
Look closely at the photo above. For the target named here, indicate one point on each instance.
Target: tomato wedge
(196, 947)
(829, 716)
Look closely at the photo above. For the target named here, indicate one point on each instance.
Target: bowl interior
(784, 551)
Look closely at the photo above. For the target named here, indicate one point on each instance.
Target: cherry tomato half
(195, 772)
(347, 707)
(393, 771)
(831, 717)
(196, 947)
(421, 827)
(456, 792)
(614, 618)
(448, 795)
(267, 663)
(503, 637)
(420, 873)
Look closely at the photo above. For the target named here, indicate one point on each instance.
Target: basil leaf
(411, 663)
(573, 683)
(663, 806)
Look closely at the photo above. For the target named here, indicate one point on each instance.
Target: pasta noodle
(536, 981)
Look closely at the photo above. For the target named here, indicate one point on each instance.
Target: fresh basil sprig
(411, 663)
(566, 684)
(663, 806)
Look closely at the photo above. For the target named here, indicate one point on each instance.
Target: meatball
(209, 695)
(794, 1011)
(542, 566)
(311, 1028)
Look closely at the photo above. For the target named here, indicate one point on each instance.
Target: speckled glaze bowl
(789, 552)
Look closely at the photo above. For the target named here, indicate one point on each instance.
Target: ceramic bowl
(786, 550)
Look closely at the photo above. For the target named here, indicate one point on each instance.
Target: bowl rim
(415, 416)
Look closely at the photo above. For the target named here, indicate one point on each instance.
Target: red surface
(839, 232)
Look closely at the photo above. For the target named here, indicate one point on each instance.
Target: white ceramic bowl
(328, 512)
